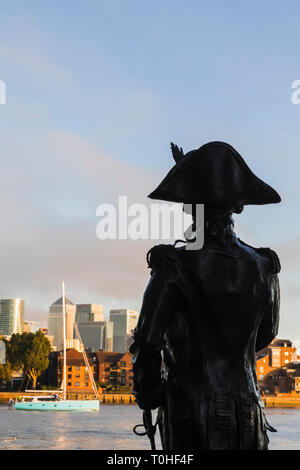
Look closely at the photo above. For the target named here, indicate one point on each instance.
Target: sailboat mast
(64, 329)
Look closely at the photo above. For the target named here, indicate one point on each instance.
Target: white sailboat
(55, 402)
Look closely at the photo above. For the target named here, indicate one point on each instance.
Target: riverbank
(282, 402)
(105, 398)
(287, 401)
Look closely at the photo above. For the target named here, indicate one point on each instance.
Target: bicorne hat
(215, 175)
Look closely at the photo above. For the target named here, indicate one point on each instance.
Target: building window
(77, 367)
(261, 377)
(69, 376)
(286, 361)
(122, 364)
(77, 384)
(261, 369)
(69, 384)
(70, 369)
(286, 353)
(86, 384)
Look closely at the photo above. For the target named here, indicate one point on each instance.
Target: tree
(6, 368)
(29, 352)
(36, 357)
(5, 372)
(16, 349)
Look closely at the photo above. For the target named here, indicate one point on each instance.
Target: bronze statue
(206, 312)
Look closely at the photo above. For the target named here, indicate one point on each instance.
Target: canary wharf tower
(11, 316)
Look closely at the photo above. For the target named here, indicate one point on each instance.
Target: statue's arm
(268, 328)
(158, 302)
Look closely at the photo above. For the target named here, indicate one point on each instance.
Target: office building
(89, 312)
(55, 322)
(11, 316)
(97, 336)
(124, 321)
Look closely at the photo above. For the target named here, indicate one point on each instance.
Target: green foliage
(16, 349)
(29, 352)
(123, 388)
(115, 388)
(5, 372)
(6, 369)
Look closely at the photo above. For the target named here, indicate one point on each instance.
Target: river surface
(110, 428)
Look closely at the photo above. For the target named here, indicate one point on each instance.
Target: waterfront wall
(105, 398)
(279, 401)
(285, 401)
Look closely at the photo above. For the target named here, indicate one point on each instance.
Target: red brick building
(275, 367)
(108, 368)
(113, 368)
(297, 385)
(77, 372)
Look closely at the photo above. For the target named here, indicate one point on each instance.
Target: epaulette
(270, 254)
(160, 255)
(273, 257)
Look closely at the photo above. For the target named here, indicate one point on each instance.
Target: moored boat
(46, 403)
(54, 402)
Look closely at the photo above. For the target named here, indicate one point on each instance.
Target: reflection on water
(287, 423)
(110, 428)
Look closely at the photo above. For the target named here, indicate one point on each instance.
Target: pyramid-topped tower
(55, 321)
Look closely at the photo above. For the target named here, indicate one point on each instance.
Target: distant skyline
(95, 92)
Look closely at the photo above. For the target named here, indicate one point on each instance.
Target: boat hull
(62, 405)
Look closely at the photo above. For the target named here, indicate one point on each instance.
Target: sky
(95, 92)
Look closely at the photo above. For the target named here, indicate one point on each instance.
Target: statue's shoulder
(269, 254)
(161, 256)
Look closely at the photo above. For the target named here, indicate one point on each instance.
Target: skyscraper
(89, 312)
(97, 335)
(124, 320)
(11, 316)
(55, 322)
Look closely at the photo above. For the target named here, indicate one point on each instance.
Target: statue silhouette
(206, 312)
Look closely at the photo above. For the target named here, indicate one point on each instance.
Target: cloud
(44, 241)
(80, 159)
(51, 187)
(22, 59)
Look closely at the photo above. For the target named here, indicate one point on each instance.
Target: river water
(110, 428)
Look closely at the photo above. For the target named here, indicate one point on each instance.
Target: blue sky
(96, 90)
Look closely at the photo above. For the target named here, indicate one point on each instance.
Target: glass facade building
(11, 316)
(124, 321)
(55, 322)
(89, 312)
(97, 336)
